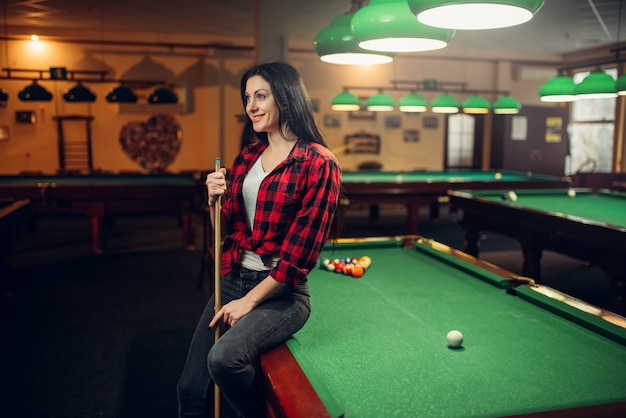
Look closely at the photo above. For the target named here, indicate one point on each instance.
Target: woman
(278, 207)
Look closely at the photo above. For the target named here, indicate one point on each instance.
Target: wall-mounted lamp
(474, 14)
(34, 92)
(389, 25)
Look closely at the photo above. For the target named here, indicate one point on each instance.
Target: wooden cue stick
(216, 284)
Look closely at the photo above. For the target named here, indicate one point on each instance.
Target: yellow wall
(207, 82)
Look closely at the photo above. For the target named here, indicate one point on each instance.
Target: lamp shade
(620, 85)
(121, 94)
(162, 95)
(445, 103)
(476, 105)
(336, 44)
(597, 85)
(506, 105)
(412, 102)
(79, 93)
(345, 101)
(560, 88)
(34, 92)
(4, 96)
(474, 14)
(389, 25)
(380, 102)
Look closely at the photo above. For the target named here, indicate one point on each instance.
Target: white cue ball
(512, 196)
(571, 192)
(498, 176)
(455, 339)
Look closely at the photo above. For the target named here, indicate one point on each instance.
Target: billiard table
(101, 196)
(425, 188)
(376, 346)
(14, 218)
(590, 226)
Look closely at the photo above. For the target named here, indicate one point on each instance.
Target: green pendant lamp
(476, 105)
(390, 26)
(34, 93)
(336, 44)
(412, 103)
(445, 103)
(79, 94)
(620, 85)
(597, 85)
(560, 88)
(121, 94)
(474, 14)
(345, 101)
(162, 95)
(380, 102)
(506, 105)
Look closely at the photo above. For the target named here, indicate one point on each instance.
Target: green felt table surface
(376, 346)
(441, 176)
(603, 206)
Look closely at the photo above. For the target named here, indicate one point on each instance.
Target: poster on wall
(519, 128)
(554, 126)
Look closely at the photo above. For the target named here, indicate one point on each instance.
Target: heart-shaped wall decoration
(153, 144)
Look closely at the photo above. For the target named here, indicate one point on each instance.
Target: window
(591, 132)
(460, 141)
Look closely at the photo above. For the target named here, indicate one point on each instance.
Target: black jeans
(230, 362)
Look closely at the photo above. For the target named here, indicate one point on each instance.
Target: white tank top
(251, 184)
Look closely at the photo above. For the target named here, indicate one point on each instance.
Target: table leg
(97, 234)
(532, 250)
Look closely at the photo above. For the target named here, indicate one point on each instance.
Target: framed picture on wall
(430, 122)
(332, 121)
(411, 135)
(393, 122)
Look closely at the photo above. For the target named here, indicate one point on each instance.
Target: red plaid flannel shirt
(296, 205)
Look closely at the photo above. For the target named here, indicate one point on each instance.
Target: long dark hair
(293, 102)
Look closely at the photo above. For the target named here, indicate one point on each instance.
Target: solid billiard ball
(357, 270)
(498, 176)
(512, 196)
(571, 192)
(455, 339)
(330, 266)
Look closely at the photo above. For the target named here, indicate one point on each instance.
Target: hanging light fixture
(412, 102)
(560, 88)
(476, 105)
(445, 103)
(345, 101)
(336, 44)
(620, 85)
(597, 85)
(121, 94)
(506, 105)
(34, 92)
(474, 14)
(390, 26)
(380, 102)
(162, 95)
(79, 94)
(4, 97)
